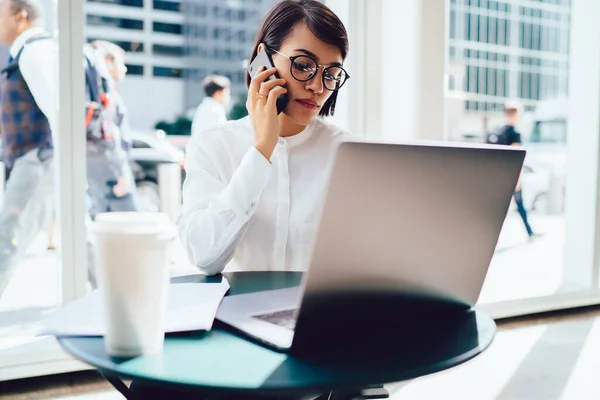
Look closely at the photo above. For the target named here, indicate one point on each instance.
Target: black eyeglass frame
(292, 58)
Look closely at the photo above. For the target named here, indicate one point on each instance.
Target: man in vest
(27, 120)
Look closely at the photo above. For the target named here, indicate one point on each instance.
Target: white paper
(260, 302)
(191, 306)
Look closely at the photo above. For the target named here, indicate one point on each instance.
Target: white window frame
(44, 356)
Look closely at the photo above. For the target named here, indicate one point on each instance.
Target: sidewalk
(522, 268)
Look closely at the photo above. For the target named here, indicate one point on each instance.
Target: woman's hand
(262, 107)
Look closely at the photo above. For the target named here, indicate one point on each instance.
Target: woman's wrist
(265, 148)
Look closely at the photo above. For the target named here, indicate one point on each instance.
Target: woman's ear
(260, 48)
(22, 16)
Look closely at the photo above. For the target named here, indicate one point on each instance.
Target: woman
(254, 187)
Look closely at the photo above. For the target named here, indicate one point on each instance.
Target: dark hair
(322, 22)
(215, 83)
(33, 8)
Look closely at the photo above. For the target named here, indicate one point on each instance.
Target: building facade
(496, 50)
(500, 50)
(172, 46)
(218, 39)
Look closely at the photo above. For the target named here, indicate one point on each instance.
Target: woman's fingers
(266, 87)
(263, 74)
(259, 78)
(274, 94)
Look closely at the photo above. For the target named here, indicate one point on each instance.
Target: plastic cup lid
(133, 223)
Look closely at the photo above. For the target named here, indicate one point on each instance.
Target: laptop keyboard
(284, 318)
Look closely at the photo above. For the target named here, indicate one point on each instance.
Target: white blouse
(240, 209)
(209, 114)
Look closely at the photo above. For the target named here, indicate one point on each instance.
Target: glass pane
(174, 6)
(169, 51)
(124, 23)
(524, 62)
(128, 3)
(30, 262)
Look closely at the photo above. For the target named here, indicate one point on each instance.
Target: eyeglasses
(304, 68)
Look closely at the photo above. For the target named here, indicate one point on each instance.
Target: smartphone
(263, 59)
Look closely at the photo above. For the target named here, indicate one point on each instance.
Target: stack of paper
(191, 306)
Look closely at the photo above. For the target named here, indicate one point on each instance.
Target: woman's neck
(287, 127)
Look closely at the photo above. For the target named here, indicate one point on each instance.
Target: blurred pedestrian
(212, 111)
(27, 124)
(509, 136)
(111, 186)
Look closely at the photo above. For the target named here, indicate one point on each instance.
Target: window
(123, 23)
(135, 69)
(480, 38)
(174, 6)
(549, 132)
(165, 27)
(529, 85)
(167, 72)
(194, 74)
(195, 31)
(47, 277)
(170, 51)
(240, 77)
(130, 47)
(226, 32)
(451, 82)
(241, 36)
(127, 3)
(196, 51)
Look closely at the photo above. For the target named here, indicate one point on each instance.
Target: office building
(172, 46)
(500, 50)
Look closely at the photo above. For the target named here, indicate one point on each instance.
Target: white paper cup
(132, 259)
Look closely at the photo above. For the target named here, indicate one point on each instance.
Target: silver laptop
(405, 229)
